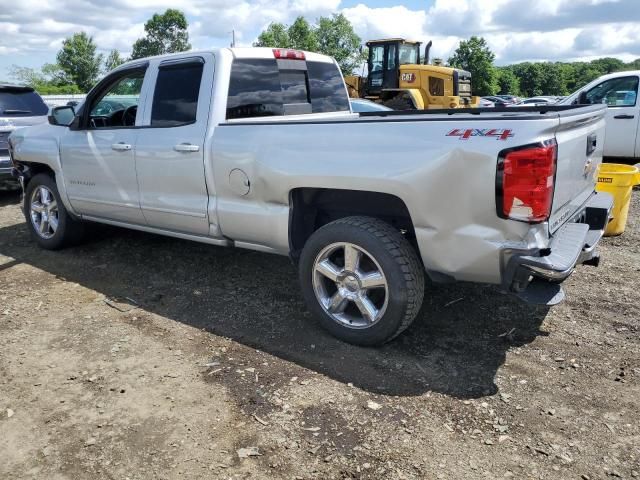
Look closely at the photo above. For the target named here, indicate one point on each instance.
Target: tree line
(529, 79)
(78, 65)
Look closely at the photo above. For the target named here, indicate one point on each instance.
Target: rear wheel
(362, 280)
(47, 219)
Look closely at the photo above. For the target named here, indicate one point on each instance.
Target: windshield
(409, 54)
(21, 103)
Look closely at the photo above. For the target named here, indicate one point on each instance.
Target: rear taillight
(525, 181)
(287, 53)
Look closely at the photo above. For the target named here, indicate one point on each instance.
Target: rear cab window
(263, 87)
(21, 102)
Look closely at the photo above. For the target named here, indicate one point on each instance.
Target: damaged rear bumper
(535, 276)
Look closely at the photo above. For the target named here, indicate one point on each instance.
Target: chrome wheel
(350, 285)
(44, 212)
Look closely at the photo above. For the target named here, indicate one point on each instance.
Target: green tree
(531, 78)
(276, 36)
(608, 65)
(332, 36)
(165, 33)
(508, 83)
(302, 35)
(50, 80)
(337, 39)
(79, 61)
(112, 61)
(475, 56)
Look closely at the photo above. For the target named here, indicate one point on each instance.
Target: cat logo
(408, 77)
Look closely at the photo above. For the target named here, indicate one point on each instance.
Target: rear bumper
(572, 244)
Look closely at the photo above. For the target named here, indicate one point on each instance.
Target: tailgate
(580, 138)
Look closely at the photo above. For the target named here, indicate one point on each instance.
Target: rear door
(170, 146)
(621, 96)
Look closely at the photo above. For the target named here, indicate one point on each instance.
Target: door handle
(624, 117)
(186, 147)
(120, 147)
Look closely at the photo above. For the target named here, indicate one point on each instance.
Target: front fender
(39, 146)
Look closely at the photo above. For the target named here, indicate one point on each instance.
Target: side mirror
(62, 116)
(582, 98)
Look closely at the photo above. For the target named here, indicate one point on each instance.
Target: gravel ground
(137, 356)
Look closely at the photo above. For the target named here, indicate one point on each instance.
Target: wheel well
(398, 96)
(30, 170)
(311, 208)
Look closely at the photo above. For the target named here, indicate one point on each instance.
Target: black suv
(19, 107)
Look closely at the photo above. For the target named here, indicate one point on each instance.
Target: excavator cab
(385, 58)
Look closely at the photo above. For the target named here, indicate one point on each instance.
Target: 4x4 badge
(466, 134)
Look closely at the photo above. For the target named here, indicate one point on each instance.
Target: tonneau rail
(513, 111)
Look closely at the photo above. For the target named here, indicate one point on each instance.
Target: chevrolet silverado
(258, 148)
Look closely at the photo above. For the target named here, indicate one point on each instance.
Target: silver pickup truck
(259, 149)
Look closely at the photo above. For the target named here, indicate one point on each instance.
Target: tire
(399, 102)
(373, 302)
(49, 235)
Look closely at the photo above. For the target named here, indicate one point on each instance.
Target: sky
(31, 31)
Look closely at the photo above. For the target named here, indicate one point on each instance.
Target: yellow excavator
(399, 79)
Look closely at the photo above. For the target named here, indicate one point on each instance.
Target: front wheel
(47, 219)
(362, 280)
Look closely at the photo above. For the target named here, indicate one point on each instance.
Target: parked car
(486, 103)
(497, 101)
(266, 154)
(534, 101)
(20, 106)
(509, 98)
(362, 105)
(619, 92)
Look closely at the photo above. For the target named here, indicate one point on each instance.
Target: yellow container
(618, 180)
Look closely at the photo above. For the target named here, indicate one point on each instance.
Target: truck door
(376, 69)
(621, 96)
(98, 156)
(170, 147)
(391, 75)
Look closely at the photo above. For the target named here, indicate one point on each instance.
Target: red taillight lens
(526, 182)
(287, 53)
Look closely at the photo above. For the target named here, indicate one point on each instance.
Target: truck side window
(175, 100)
(616, 92)
(117, 105)
(326, 88)
(254, 89)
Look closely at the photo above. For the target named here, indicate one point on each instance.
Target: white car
(534, 101)
(485, 103)
(619, 91)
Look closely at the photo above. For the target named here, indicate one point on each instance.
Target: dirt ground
(135, 356)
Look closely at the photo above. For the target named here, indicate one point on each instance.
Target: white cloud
(517, 30)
